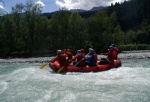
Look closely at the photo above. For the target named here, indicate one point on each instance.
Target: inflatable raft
(102, 65)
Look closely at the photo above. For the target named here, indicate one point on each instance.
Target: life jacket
(69, 55)
(116, 49)
(112, 56)
(95, 57)
(79, 58)
(91, 59)
(82, 62)
(75, 57)
(62, 60)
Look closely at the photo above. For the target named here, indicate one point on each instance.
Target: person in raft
(116, 49)
(91, 58)
(94, 51)
(111, 54)
(83, 52)
(69, 54)
(83, 63)
(61, 58)
(78, 57)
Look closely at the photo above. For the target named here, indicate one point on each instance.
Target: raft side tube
(71, 68)
(54, 66)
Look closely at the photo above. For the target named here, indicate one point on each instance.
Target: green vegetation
(26, 32)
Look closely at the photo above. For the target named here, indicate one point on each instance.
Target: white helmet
(59, 51)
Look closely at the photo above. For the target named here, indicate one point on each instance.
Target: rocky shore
(142, 54)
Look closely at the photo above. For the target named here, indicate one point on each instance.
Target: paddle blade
(60, 69)
(43, 66)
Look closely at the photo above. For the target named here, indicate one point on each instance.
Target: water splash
(27, 82)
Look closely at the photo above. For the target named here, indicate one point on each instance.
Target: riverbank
(135, 54)
(26, 55)
(140, 54)
(51, 54)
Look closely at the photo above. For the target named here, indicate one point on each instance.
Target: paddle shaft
(79, 61)
(60, 69)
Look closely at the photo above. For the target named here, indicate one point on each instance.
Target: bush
(130, 47)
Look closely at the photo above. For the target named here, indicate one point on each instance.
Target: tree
(76, 27)
(59, 29)
(130, 37)
(32, 15)
(6, 37)
(96, 26)
(18, 34)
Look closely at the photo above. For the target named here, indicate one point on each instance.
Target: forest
(26, 32)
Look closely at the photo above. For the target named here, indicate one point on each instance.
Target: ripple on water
(3, 86)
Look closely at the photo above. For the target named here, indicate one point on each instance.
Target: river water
(22, 80)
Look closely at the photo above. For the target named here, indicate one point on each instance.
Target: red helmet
(82, 50)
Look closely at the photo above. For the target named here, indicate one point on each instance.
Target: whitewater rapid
(26, 82)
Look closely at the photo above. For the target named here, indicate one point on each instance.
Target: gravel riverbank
(142, 54)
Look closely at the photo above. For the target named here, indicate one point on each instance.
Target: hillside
(83, 13)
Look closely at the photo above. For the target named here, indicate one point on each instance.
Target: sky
(55, 5)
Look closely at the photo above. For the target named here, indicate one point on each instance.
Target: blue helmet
(92, 51)
(111, 47)
(78, 51)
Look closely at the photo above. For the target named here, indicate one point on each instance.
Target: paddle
(105, 57)
(60, 69)
(43, 65)
(79, 61)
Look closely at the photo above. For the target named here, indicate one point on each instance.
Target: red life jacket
(116, 49)
(82, 63)
(95, 57)
(112, 56)
(79, 57)
(69, 54)
(62, 60)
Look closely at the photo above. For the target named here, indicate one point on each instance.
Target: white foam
(3, 86)
(41, 85)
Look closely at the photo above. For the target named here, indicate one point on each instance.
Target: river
(22, 80)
